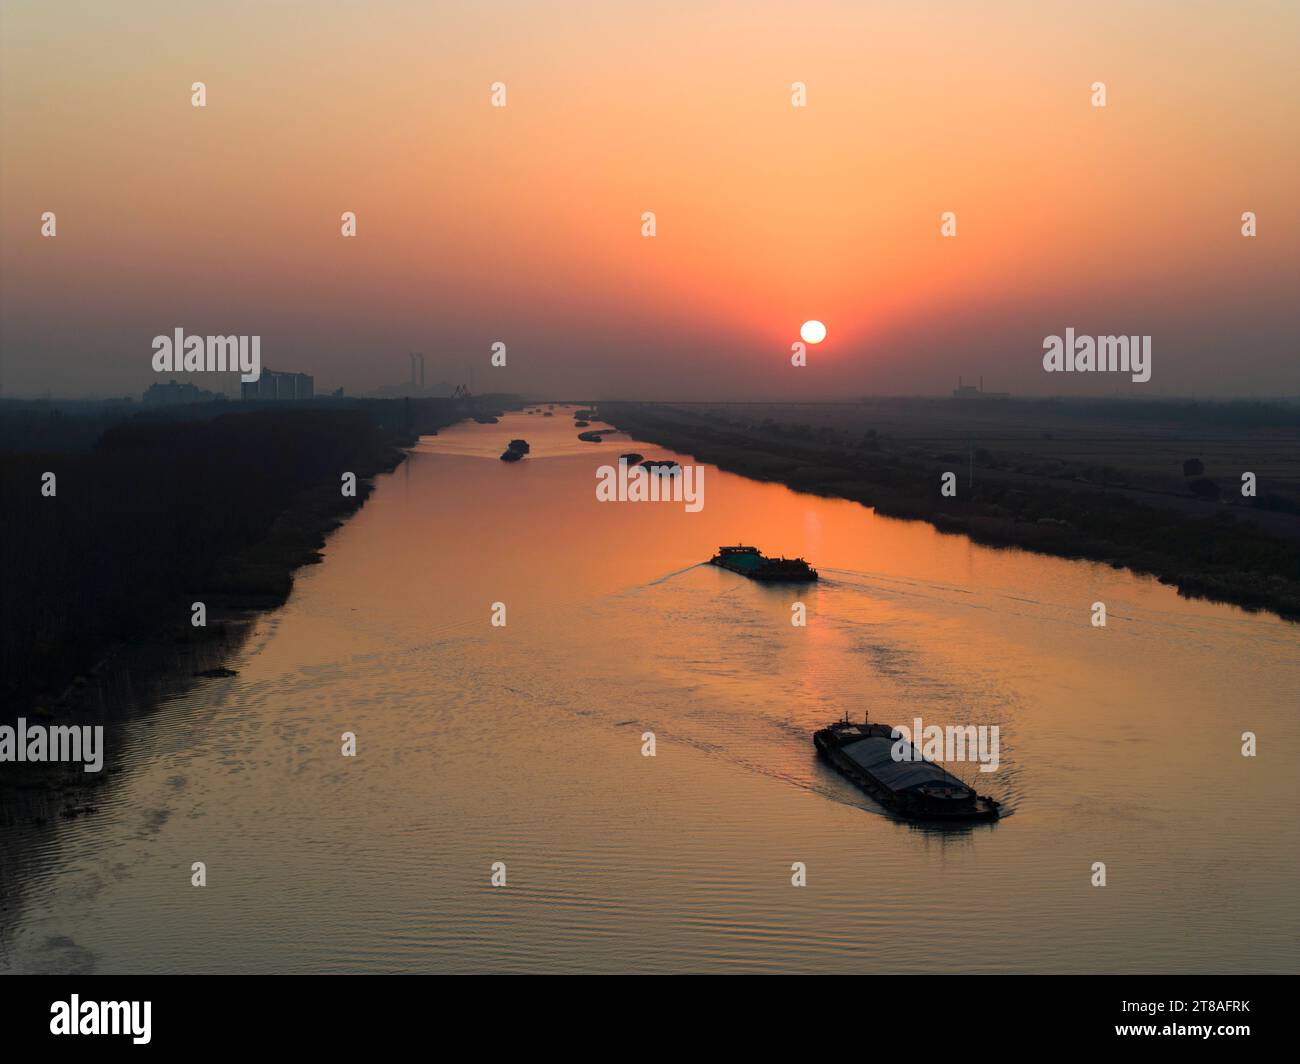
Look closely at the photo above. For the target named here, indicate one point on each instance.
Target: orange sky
(522, 224)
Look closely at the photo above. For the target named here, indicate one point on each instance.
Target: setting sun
(812, 332)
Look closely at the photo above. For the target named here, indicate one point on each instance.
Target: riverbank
(1246, 556)
(216, 506)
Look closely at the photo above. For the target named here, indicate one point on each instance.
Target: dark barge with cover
(748, 561)
(917, 789)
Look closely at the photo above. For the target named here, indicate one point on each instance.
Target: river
(522, 744)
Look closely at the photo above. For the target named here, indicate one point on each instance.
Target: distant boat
(581, 424)
(509, 455)
(589, 437)
(547, 413)
(914, 788)
(486, 419)
(748, 561)
(630, 458)
(519, 445)
(661, 465)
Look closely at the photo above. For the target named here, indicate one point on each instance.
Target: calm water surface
(522, 744)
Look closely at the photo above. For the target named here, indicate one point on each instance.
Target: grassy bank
(1106, 502)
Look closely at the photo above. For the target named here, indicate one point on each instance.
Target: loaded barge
(747, 561)
(917, 789)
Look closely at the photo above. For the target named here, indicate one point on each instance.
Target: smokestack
(411, 356)
(421, 371)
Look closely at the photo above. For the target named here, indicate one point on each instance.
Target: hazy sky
(522, 224)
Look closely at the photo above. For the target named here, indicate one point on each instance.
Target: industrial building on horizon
(173, 393)
(275, 385)
(417, 388)
(969, 391)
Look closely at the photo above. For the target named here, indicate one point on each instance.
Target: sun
(812, 332)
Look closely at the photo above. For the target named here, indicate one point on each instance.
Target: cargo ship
(662, 465)
(747, 561)
(916, 789)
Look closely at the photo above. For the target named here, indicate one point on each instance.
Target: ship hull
(767, 577)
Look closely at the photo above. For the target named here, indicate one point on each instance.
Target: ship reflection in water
(525, 744)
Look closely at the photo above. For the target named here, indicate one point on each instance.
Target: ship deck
(864, 753)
